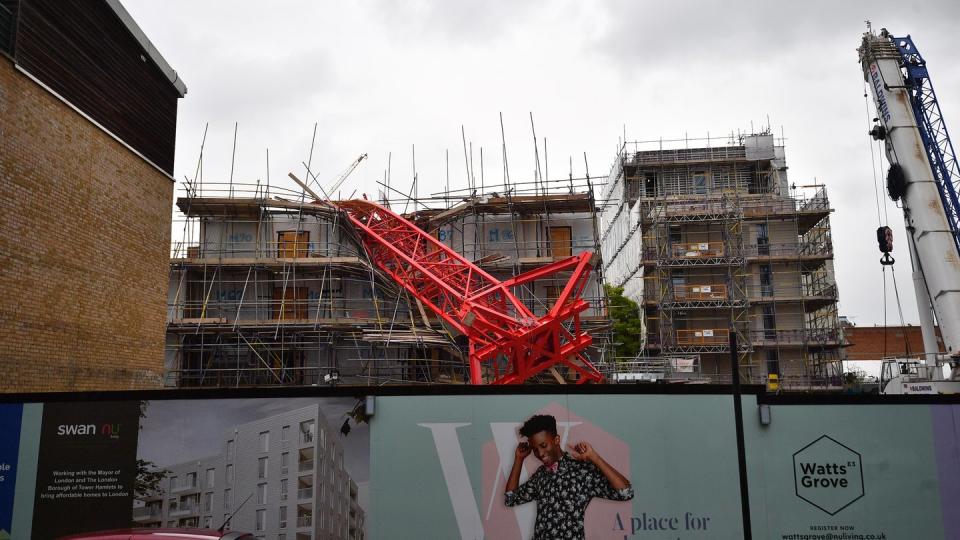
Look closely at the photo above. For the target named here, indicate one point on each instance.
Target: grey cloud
(459, 22)
(702, 33)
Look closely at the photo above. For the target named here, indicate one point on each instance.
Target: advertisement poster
(853, 471)
(457, 453)
(85, 467)
(496, 466)
(294, 467)
(10, 418)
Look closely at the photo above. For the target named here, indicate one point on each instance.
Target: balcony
(690, 254)
(305, 493)
(812, 338)
(696, 250)
(184, 486)
(306, 438)
(305, 520)
(790, 251)
(306, 465)
(185, 510)
(814, 296)
(679, 296)
(147, 513)
(705, 336)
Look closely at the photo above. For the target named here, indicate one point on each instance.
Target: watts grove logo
(828, 474)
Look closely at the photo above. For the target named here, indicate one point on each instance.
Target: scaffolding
(268, 288)
(710, 239)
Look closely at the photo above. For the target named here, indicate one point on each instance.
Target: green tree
(627, 325)
(148, 478)
(149, 475)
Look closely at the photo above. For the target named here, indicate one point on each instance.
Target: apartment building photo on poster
(276, 468)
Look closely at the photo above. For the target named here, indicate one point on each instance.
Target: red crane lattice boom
(501, 330)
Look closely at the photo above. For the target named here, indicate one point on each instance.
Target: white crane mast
(930, 233)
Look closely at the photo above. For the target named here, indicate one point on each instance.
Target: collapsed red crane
(501, 330)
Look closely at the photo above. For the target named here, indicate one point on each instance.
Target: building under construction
(268, 287)
(721, 252)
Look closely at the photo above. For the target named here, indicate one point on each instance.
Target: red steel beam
(502, 331)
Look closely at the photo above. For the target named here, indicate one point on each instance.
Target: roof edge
(152, 51)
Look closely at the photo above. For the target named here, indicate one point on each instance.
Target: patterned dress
(562, 497)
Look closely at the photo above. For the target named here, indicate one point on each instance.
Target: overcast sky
(380, 77)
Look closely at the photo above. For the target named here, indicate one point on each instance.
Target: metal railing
(184, 485)
(652, 369)
(705, 336)
(305, 493)
(789, 249)
(681, 155)
(773, 291)
(185, 510)
(699, 292)
(147, 512)
(693, 250)
(712, 250)
(796, 336)
(260, 251)
(250, 376)
(243, 190)
(305, 520)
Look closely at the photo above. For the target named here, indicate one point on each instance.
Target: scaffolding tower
(708, 236)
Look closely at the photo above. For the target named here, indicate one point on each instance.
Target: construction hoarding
(437, 465)
(841, 470)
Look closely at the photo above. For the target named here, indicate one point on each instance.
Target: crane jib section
(508, 343)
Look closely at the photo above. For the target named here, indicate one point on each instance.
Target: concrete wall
(85, 235)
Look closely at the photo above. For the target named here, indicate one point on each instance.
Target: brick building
(88, 121)
(879, 342)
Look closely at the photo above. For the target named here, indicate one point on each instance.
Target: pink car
(160, 534)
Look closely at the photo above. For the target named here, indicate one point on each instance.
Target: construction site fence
(419, 371)
(407, 372)
(660, 370)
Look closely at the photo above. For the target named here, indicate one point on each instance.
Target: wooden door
(553, 292)
(290, 303)
(561, 241)
(292, 244)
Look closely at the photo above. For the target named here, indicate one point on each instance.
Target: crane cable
(884, 222)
